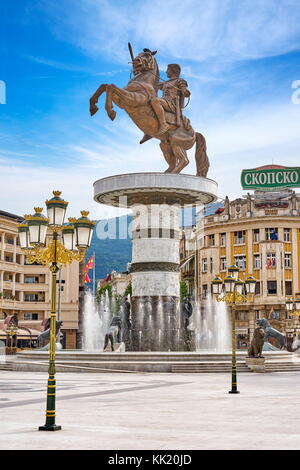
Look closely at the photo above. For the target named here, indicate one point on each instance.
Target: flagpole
(94, 276)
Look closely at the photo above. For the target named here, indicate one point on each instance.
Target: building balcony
(34, 269)
(24, 305)
(188, 274)
(31, 286)
(9, 247)
(7, 285)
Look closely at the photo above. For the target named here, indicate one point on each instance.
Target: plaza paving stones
(152, 411)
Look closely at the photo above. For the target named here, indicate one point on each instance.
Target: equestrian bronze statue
(158, 117)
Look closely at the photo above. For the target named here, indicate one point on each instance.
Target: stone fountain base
(155, 200)
(176, 362)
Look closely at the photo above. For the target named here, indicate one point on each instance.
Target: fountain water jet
(213, 326)
(96, 320)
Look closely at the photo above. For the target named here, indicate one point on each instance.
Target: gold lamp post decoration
(293, 310)
(233, 291)
(68, 243)
(293, 305)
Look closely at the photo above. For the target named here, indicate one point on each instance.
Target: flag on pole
(106, 279)
(90, 264)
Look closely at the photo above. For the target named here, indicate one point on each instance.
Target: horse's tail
(202, 161)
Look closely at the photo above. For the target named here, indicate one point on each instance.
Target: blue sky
(240, 59)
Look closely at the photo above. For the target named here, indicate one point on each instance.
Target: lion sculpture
(256, 346)
(271, 332)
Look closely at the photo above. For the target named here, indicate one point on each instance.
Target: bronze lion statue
(256, 346)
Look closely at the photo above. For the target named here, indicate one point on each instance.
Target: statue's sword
(130, 52)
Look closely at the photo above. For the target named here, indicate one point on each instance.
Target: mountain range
(111, 242)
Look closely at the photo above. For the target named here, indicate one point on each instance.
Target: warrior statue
(11, 323)
(169, 107)
(187, 312)
(161, 118)
(44, 338)
(125, 307)
(113, 334)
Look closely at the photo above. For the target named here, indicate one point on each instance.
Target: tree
(183, 290)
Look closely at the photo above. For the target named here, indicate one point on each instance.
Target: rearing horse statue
(135, 98)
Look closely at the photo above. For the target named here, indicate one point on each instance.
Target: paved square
(152, 411)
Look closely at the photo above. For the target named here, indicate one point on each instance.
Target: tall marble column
(156, 320)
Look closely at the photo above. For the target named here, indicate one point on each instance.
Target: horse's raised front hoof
(93, 109)
(112, 114)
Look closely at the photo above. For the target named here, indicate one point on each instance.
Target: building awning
(242, 331)
(22, 334)
(187, 261)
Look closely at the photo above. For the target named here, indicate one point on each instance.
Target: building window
(31, 316)
(204, 265)
(272, 287)
(242, 316)
(256, 236)
(288, 288)
(240, 261)
(287, 260)
(287, 234)
(240, 237)
(31, 297)
(271, 260)
(256, 314)
(257, 261)
(223, 239)
(257, 288)
(31, 280)
(275, 315)
(204, 291)
(223, 263)
(211, 240)
(211, 265)
(271, 233)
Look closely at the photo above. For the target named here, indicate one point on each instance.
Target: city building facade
(260, 233)
(25, 289)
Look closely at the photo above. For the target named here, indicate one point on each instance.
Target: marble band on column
(154, 266)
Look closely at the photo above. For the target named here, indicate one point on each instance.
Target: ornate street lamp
(62, 249)
(83, 231)
(250, 284)
(24, 235)
(233, 271)
(37, 227)
(293, 306)
(232, 291)
(56, 209)
(68, 234)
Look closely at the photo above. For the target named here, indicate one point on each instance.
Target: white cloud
(244, 141)
(200, 31)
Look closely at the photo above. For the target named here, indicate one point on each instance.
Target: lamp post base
(234, 391)
(51, 427)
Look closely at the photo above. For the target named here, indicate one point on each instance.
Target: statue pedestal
(156, 200)
(118, 348)
(256, 364)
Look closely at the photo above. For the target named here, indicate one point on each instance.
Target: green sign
(267, 178)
